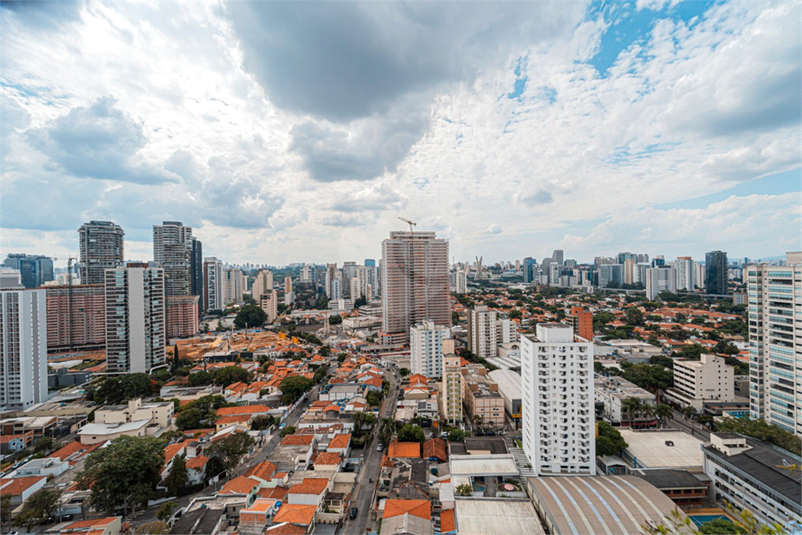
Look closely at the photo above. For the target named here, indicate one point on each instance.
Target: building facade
(774, 296)
(172, 250)
(482, 332)
(262, 284)
(426, 349)
(414, 285)
(683, 268)
(451, 390)
(196, 272)
(23, 347)
(706, 379)
(716, 273)
(76, 317)
(269, 303)
(182, 316)
(136, 330)
(101, 245)
(582, 322)
(483, 402)
(558, 401)
(35, 270)
(659, 280)
(213, 284)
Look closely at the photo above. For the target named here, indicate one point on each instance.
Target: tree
(632, 407)
(634, 316)
(360, 302)
(44, 445)
(762, 430)
(153, 528)
(262, 422)
(200, 378)
(5, 507)
(321, 374)
(721, 526)
(411, 433)
(191, 419)
(609, 441)
(250, 316)
(293, 387)
(374, 398)
(178, 478)
(404, 372)
(663, 412)
(363, 421)
(386, 430)
(38, 508)
(231, 374)
(124, 473)
(288, 430)
(692, 352)
(514, 314)
(464, 489)
(662, 360)
(166, 511)
(229, 450)
(457, 435)
(335, 319)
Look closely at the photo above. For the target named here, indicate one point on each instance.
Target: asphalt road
(689, 426)
(364, 490)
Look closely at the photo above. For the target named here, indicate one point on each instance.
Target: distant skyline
(289, 132)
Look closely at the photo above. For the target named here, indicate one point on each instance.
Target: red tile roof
(17, 485)
(296, 514)
(447, 521)
(310, 485)
(404, 449)
(244, 409)
(435, 447)
(340, 441)
(297, 440)
(239, 485)
(263, 470)
(328, 458)
(418, 508)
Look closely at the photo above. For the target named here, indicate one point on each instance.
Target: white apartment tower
(482, 332)
(775, 353)
(268, 302)
(23, 345)
(136, 332)
(414, 284)
(660, 280)
(461, 283)
(426, 348)
(557, 401)
(213, 284)
(262, 284)
(683, 268)
(234, 285)
(451, 388)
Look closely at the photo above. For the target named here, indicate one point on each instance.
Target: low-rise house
(435, 448)
(157, 413)
(21, 488)
(241, 486)
(293, 519)
(340, 443)
(47, 467)
(196, 469)
(266, 473)
(407, 516)
(309, 492)
(254, 519)
(75, 451)
(97, 432)
(110, 525)
(12, 443)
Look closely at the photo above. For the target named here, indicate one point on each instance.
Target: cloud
(100, 141)
(348, 220)
(44, 15)
(378, 197)
(494, 229)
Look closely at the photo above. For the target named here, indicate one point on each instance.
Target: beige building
(157, 413)
(262, 284)
(451, 390)
(481, 397)
(269, 303)
(706, 379)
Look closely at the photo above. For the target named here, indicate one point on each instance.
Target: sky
(300, 132)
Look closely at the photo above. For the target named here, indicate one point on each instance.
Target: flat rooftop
(598, 504)
(483, 465)
(510, 517)
(649, 449)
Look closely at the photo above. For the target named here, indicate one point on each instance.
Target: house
(99, 432)
(46, 467)
(435, 448)
(265, 473)
(253, 519)
(412, 517)
(157, 413)
(110, 525)
(21, 488)
(196, 469)
(293, 519)
(240, 486)
(74, 451)
(328, 461)
(309, 492)
(340, 443)
(405, 450)
(12, 443)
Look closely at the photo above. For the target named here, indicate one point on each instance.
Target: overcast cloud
(300, 131)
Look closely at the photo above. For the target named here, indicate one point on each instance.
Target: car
(282, 425)
(353, 513)
(379, 447)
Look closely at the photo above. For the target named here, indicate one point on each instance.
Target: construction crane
(69, 298)
(408, 222)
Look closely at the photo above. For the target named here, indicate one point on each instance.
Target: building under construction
(81, 326)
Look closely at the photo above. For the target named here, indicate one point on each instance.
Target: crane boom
(408, 222)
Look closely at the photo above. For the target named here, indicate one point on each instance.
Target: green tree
(262, 422)
(514, 314)
(124, 473)
(231, 374)
(721, 526)
(335, 319)
(632, 408)
(386, 430)
(411, 433)
(166, 511)
(38, 508)
(44, 444)
(293, 387)
(762, 430)
(662, 360)
(178, 478)
(200, 378)
(230, 450)
(692, 352)
(287, 430)
(464, 489)
(457, 435)
(360, 302)
(634, 316)
(609, 441)
(374, 398)
(363, 421)
(404, 372)
(5, 507)
(192, 419)
(250, 316)
(664, 413)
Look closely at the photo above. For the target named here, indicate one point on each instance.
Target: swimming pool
(701, 519)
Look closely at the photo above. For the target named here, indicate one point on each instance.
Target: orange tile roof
(17, 485)
(239, 485)
(263, 470)
(75, 447)
(94, 523)
(171, 450)
(418, 508)
(259, 505)
(435, 447)
(328, 458)
(233, 419)
(276, 493)
(243, 409)
(285, 529)
(341, 440)
(196, 463)
(4, 439)
(310, 485)
(447, 521)
(297, 440)
(404, 449)
(296, 514)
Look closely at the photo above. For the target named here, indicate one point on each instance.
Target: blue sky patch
(520, 81)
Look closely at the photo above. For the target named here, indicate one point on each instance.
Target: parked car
(379, 447)
(353, 513)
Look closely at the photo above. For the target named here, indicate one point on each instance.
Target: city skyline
(311, 152)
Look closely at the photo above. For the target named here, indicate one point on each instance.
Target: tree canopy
(609, 441)
(230, 450)
(178, 478)
(41, 505)
(250, 316)
(114, 390)
(411, 433)
(762, 430)
(293, 387)
(124, 473)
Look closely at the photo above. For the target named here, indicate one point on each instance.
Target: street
(690, 426)
(370, 467)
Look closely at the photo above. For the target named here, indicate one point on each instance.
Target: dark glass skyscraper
(35, 270)
(196, 271)
(716, 273)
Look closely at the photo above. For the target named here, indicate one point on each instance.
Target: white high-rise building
(506, 332)
(172, 250)
(213, 284)
(482, 332)
(683, 268)
(775, 352)
(426, 348)
(336, 289)
(23, 345)
(234, 285)
(306, 274)
(262, 284)
(557, 401)
(414, 287)
(461, 284)
(136, 330)
(660, 280)
(699, 274)
(268, 302)
(331, 275)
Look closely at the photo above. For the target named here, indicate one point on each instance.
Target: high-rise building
(172, 250)
(234, 285)
(629, 271)
(268, 302)
(482, 332)
(582, 322)
(76, 317)
(196, 272)
(683, 267)
(558, 257)
(350, 271)
(331, 275)
(558, 401)
(35, 270)
(306, 275)
(370, 262)
(506, 331)
(288, 295)
(716, 273)
(262, 284)
(182, 316)
(451, 388)
(426, 348)
(699, 274)
(461, 281)
(775, 353)
(23, 345)
(529, 269)
(611, 274)
(136, 330)
(370, 282)
(213, 298)
(101, 247)
(658, 261)
(414, 283)
(660, 280)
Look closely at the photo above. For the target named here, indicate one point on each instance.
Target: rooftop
(239, 485)
(671, 479)
(510, 517)
(418, 508)
(651, 449)
(295, 514)
(310, 485)
(509, 383)
(403, 449)
(483, 465)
